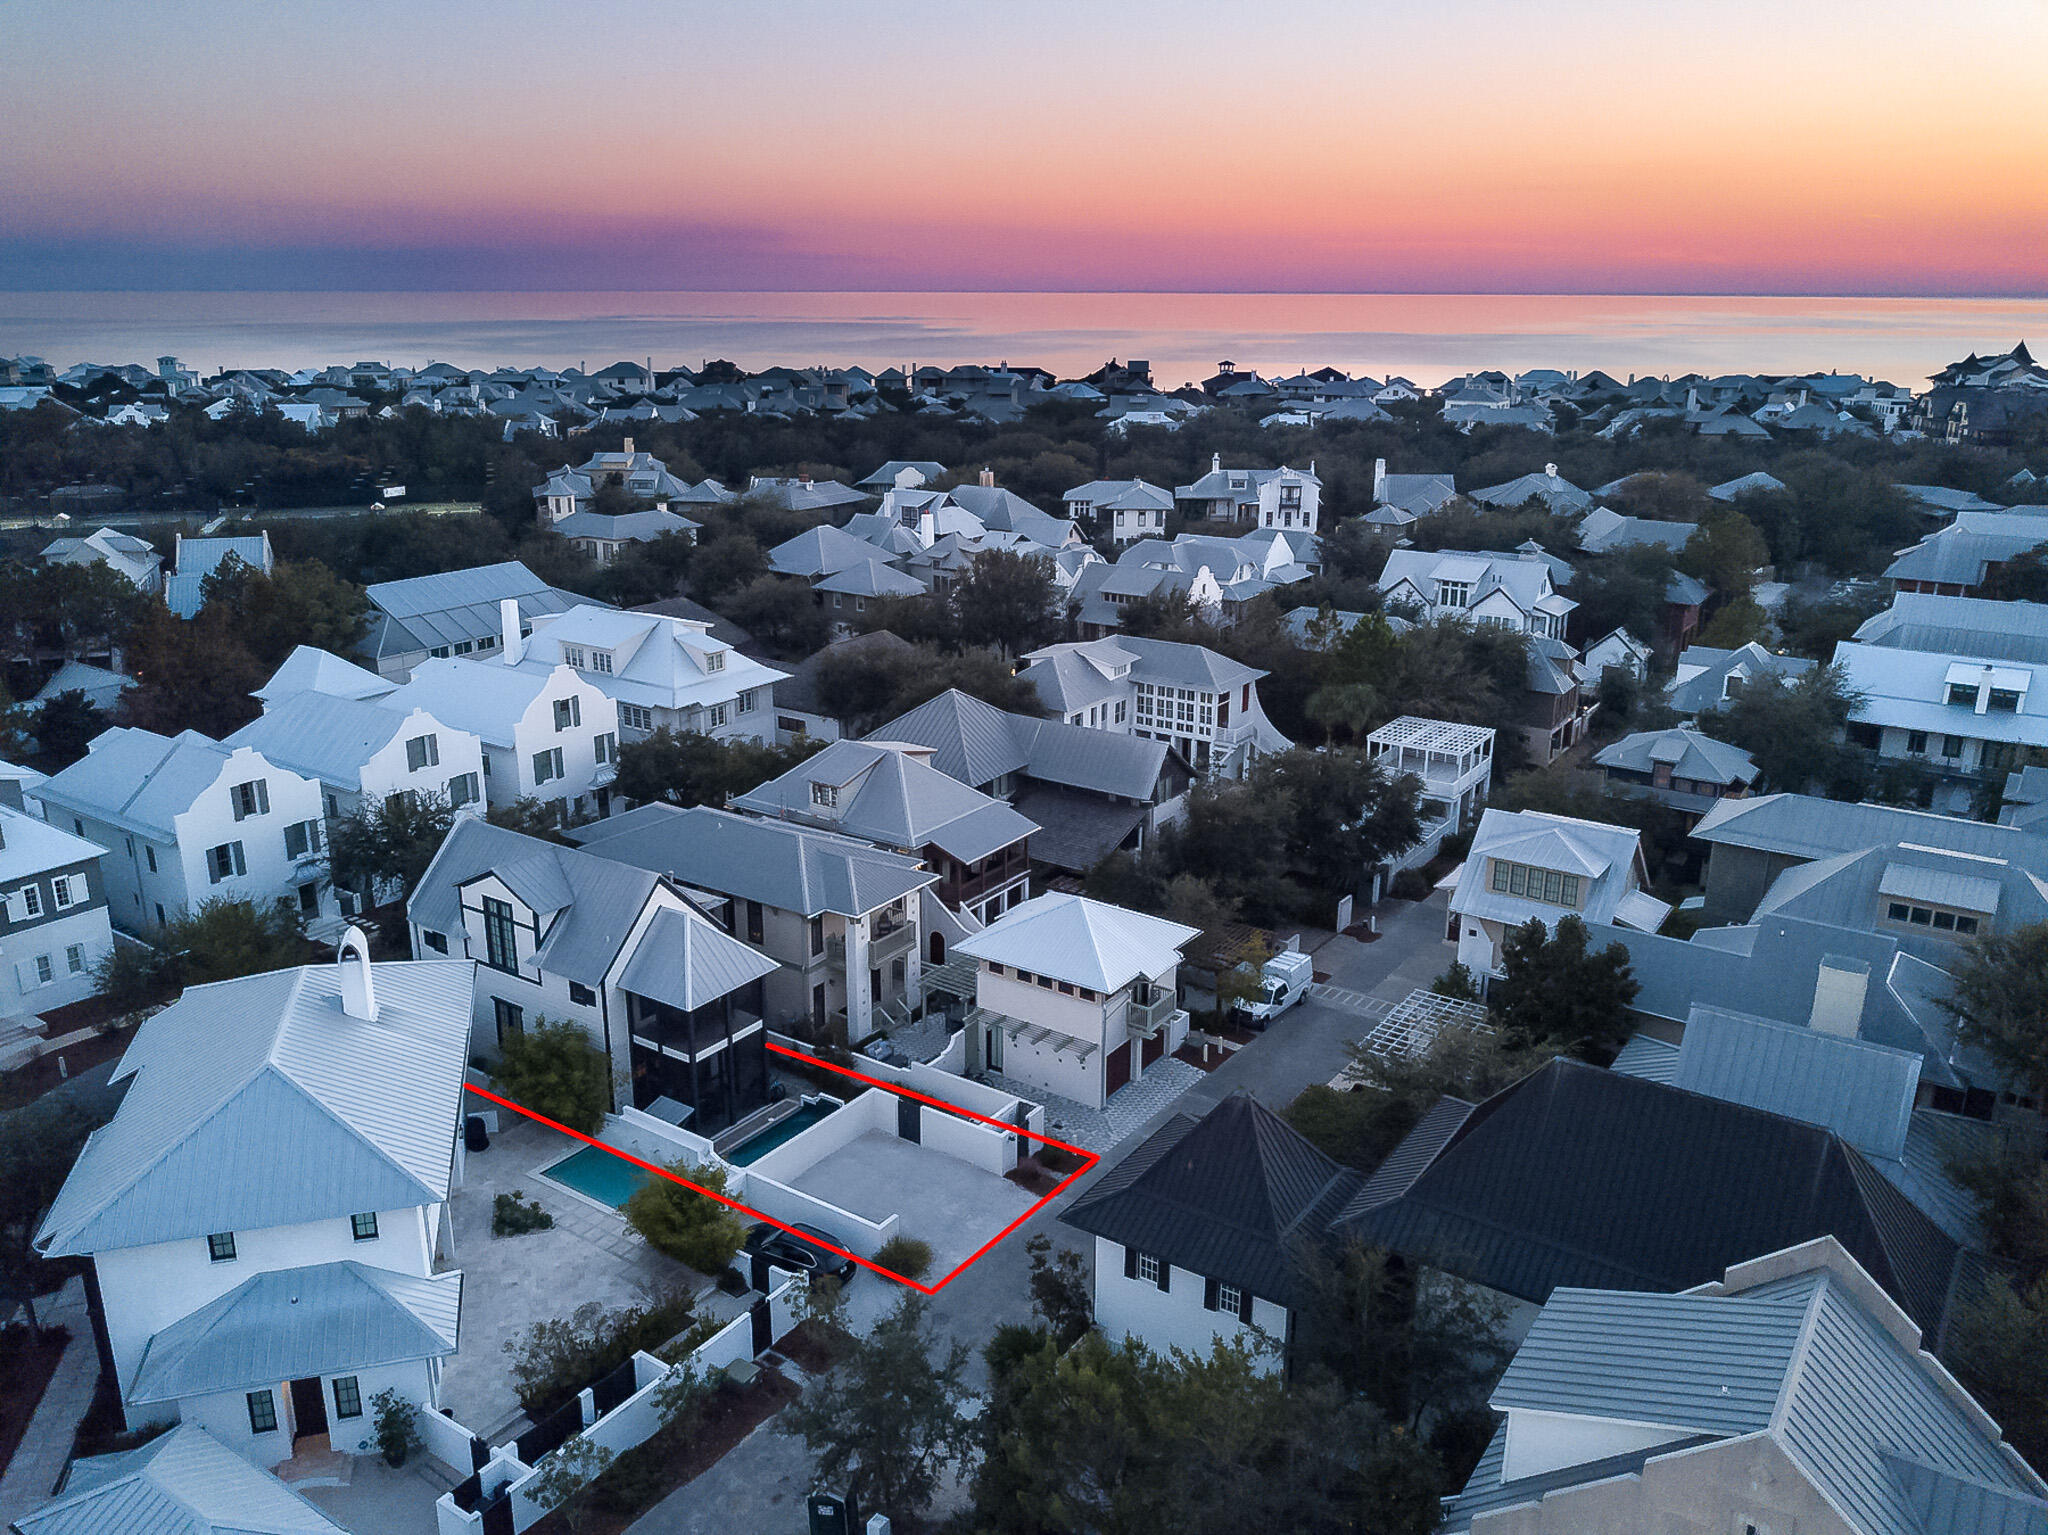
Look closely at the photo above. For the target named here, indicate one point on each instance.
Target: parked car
(789, 1251)
(1286, 980)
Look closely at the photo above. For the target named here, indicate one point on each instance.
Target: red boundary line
(1088, 1162)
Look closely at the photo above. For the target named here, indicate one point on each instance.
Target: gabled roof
(597, 899)
(820, 551)
(1703, 673)
(1547, 487)
(1960, 626)
(1576, 1176)
(1089, 943)
(778, 863)
(684, 960)
(184, 1482)
(1860, 1091)
(1225, 1196)
(138, 779)
(1688, 753)
(484, 697)
(323, 737)
(423, 612)
(891, 795)
(1599, 854)
(286, 1324)
(978, 743)
(1806, 827)
(236, 1069)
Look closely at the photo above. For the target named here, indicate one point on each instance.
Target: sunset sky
(1804, 148)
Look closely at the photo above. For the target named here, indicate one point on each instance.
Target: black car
(804, 1257)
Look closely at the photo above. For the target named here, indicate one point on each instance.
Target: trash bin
(474, 1136)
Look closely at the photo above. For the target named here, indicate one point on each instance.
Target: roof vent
(358, 985)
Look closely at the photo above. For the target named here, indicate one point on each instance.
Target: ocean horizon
(1426, 337)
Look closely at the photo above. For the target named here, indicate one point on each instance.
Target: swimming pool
(782, 1131)
(596, 1174)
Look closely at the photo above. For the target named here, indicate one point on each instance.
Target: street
(761, 1485)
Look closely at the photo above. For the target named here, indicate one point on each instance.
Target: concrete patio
(509, 1283)
(376, 1500)
(1129, 1107)
(940, 1199)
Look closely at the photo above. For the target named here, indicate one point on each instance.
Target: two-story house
(842, 919)
(186, 820)
(888, 793)
(134, 559)
(1121, 510)
(1452, 762)
(1075, 996)
(547, 732)
(1204, 704)
(1529, 865)
(1964, 718)
(53, 917)
(568, 492)
(1956, 559)
(672, 1001)
(1266, 498)
(1707, 678)
(266, 1214)
(1517, 591)
(664, 673)
(1197, 1232)
(1679, 767)
(362, 751)
(1089, 792)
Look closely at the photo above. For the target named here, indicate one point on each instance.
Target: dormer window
(825, 794)
(1453, 594)
(714, 661)
(2006, 700)
(1965, 695)
(572, 655)
(600, 660)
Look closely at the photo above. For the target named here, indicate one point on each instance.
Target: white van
(1287, 976)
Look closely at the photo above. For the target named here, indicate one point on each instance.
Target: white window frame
(1148, 1269)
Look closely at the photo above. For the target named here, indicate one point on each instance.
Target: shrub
(398, 1427)
(906, 1256)
(685, 1224)
(557, 1358)
(1057, 1159)
(552, 1069)
(512, 1216)
(1410, 885)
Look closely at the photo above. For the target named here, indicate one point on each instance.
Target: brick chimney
(629, 446)
(987, 479)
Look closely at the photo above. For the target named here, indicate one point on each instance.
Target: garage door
(1119, 1067)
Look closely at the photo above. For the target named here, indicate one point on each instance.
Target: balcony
(1148, 1018)
(886, 943)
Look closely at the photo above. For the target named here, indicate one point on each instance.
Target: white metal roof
(1088, 943)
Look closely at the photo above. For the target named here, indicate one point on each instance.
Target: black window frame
(581, 995)
(262, 1406)
(354, 1395)
(501, 936)
(355, 1226)
(220, 1246)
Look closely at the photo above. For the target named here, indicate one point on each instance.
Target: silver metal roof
(185, 1482)
(1089, 943)
(287, 1324)
(684, 960)
(1863, 1092)
(234, 1070)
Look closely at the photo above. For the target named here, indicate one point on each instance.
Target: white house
(185, 820)
(1963, 717)
(642, 476)
(134, 558)
(1195, 1230)
(664, 673)
(1453, 762)
(548, 732)
(53, 916)
(1124, 509)
(267, 1297)
(1268, 498)
(1075, 995)
(1204, 703)
(1529, 865)
(362, 751)
(1513, 591)
(1620, 650)
(183, 1483)
(672, 1000)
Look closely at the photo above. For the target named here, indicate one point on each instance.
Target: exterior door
(938, 947)
(1153, 1048)
(1118, 1068)
(818, 1007)
(309, 1407)
(909, 1120)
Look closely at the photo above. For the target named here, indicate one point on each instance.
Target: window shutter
(1209, 1294)
(240, 866)
(1130, 1263)
(1244, 1305)
(1165, 1275)
(263, 796)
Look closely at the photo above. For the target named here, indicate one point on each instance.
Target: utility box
(832, 1515)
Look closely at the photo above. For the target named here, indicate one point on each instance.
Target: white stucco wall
(1175, 1317)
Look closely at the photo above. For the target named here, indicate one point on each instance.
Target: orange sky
(1722, 147)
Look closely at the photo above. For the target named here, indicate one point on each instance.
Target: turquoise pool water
(775, 1135)
(599, 1175)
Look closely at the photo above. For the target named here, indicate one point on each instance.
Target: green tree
(219, 941)
(530, 817)
(1725, 552)
(1999, 996)
(301, 602)
(687, 1225)
(38, 1144)
(1061, 1295)
(64, 727)
(687, 768)
(782, 612)
(386, 845)
(1554, 990)
(726, 564)
(552, 1069)
(1008, 602)
(1793, 729)
(2023, 578)
(194, 674)
(889, 1419)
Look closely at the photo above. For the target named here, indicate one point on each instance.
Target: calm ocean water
(1425, 337)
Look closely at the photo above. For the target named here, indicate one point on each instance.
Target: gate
(609, 1392)
(762, 1335)
(909, 1120)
